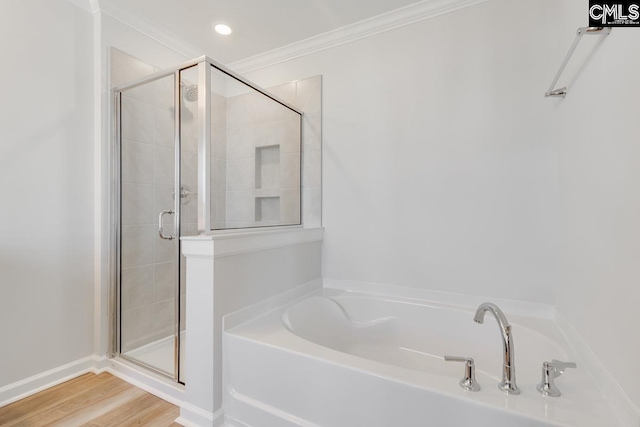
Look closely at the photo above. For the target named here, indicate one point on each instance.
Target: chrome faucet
(508, 383)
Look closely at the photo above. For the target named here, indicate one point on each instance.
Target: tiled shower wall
(218, 161)
(257, 183)
(243, 131)
(148, 262)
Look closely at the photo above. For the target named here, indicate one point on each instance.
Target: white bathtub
(341, 359)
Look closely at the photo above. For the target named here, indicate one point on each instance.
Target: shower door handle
(160, 226)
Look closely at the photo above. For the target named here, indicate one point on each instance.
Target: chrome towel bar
(562, 92)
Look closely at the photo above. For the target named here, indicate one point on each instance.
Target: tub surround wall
(599, 179)
(435, 176)
(227, 273)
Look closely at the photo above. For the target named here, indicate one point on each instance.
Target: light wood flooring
(90, 401)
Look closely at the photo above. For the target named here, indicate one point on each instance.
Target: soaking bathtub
(341, 359)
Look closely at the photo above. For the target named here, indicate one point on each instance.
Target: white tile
(165, 282)
(164, 166)
(137, 327)
(285, 133)
(236, 111)
(259, 108)
(137, 245)
(219, 175)
(162, 91)
(164, 319)
(267, 210)
(137, 162)
(312, 131)
(219, 207)
(290, 170)
(189, 127)
(126, 68)
(240, 206)
(239, 142)
(312, 207)
(136, 287)
(312, 168)
(137, 121)
(286, 92)
(137, 204)
(165, 250)
(309, 95)
(218, 111)
(189, 213)
(218, 143)
(163, 201)
(241, 174)
(189, 172)
(163, 132)
(290, 206)
(267, 167)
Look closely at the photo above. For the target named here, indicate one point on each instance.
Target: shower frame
(204, 64)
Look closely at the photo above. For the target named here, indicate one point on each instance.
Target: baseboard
(627, 412)
(44, 380)
(191, 416)
(164, 388)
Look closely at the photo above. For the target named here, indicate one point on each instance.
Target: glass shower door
(149, 238)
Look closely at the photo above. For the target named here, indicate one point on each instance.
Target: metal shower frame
(204, 65)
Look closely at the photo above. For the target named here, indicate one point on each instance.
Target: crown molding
(410, 14)
(147, 28)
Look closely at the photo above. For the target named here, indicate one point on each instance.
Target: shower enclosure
(197, 149)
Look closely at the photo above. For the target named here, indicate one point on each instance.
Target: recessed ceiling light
(225, 30)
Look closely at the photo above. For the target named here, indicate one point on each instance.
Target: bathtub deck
(90, 400)
(388, 393)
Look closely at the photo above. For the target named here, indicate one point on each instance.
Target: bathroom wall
(599, 154)
(439, 164)
(46, 179)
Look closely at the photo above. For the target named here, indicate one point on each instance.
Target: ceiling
(258, 25)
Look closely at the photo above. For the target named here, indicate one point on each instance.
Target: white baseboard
(627, 412)
(191, 416)
(44, 380)
(164, 388)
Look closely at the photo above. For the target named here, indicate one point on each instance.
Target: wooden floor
(91, 401)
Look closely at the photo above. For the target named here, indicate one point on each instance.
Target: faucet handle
(550, 371)
(559, 366)
(468, 382)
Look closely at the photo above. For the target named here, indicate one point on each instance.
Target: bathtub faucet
(508, 383)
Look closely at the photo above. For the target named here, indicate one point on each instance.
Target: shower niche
(197, 149)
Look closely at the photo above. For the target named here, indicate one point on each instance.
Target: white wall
(599, 179)
(46, 178)
(439, 167)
